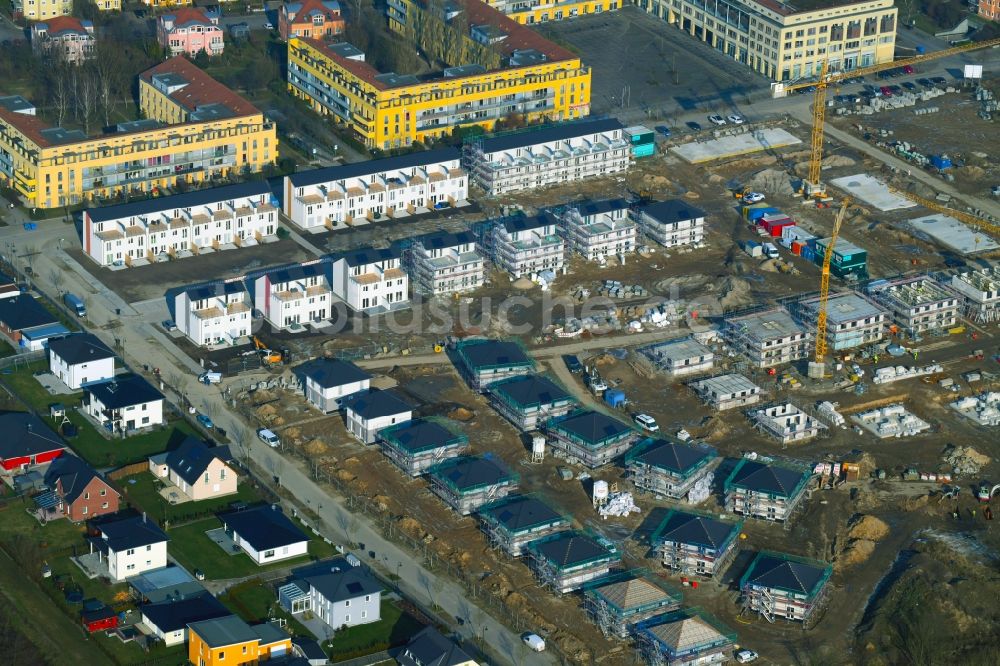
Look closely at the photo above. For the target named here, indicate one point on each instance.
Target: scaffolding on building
(597, 556)
(414, 459)
(768, 601)
(659, 638)
(467, 498)
(646, 476)
(757, 504)
(501, 537)
(683, 557)
(619, 601)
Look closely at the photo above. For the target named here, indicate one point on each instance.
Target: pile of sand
(261, 395)
(837, 161)
(690, 194)
(735, 292)
(771, 181)
(857, 551)
(965, 460)
(345, 476)
(605, 359)
(769, 266)
(411, 528)
(868, 528)
(523, 284)
(316, 448)
(461, 414)
(291, 434)
(381, 503)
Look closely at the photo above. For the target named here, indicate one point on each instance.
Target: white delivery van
(770, 251)
(534, 641)
(268, 438)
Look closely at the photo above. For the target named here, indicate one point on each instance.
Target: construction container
(941, 162)
(797, 248)
(615, 398)
(774, 224)
(757, 211)
(753, 248)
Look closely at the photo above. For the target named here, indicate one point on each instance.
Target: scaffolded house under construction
(593, 438)
(683, 637)
(567, 560)
(777, 585)
(770, 491)
(528, 402)
(468, 482)
(418, 445)
(619, 602)
(668, 467)
(694, 544)
(483, 362)
(513, 522)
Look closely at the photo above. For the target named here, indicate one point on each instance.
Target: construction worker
(876, 359)
(914, 354)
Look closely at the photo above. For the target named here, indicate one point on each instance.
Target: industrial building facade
(783, 44)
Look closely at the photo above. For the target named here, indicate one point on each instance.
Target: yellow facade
(39, 10)
(49, 169)
(529, 12)
(109, 5)
(167, 3)
(237, 654)
(784, 44)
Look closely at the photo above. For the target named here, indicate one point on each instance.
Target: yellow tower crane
(817, 368)
(961, 216)
(812, 187)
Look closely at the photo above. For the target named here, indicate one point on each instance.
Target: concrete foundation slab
(954, 234)
(872, 191)
(738, 144)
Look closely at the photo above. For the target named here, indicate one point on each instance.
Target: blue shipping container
(754, 214)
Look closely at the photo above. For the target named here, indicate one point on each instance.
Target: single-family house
(167, 620)
(129, 546)
(593, 438)
(167, 584)
(310, 19)
(80, 359)
(189, 31)
(212, 313)
(294, 296)
(597, 230)
(671, 223)
(27, 442)
(429, 648)
(265, 534)
(772, 491)
(685, 637)
(513, 522)
(344, 596)
(777, 585)
(417, 445)
(528, 402)
(483, 362)
(124, 404)
(668, 467)
(198, 470)
(696, 544)
(526, 245)
(567, 560)
(326, 382)
(229, 641)
(371, 280)
(82, 492)
(466, 483)
(619, 602)
(365, 414)
(27, 324)
(445, 263)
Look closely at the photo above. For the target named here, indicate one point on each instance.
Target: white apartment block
(917, 302)
(336, 196)
(525, 245)
(786, 423)
(294, 296)
(727, 391)
(852, 320)
(445, 263)
(370, 280)
(981, 291)
(217, 313)
(672, 223)
(678, 358)
(597, 230)
(556, 153)
(180, 225)
(767, 338)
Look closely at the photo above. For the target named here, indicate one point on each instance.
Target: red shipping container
(774, 225)
(797, 247)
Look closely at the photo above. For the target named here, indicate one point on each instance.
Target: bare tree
(59, 89)
(88, 97)
(107, 69)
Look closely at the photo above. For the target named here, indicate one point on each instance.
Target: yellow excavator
(267, 356)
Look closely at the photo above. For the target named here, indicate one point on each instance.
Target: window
(104, 491)
(347, 604)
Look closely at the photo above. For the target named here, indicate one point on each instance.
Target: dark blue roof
(690, 528)
(74, 475)
(672, 210)
(443, 239)
(263, 527)
(328, 174)
(429, 648)
(471, 471)
(793, 574)
(420, 435)
(602, 206)
(185, 200)
(168, 616)
(531, 390)
(488, 353)
(330, 372)
(123, 391)
(80, 348)
(522, 223)
(298, 271)
(345, 584)
(521, 512)
(22, 311)
(367, 255)
(762, 478)
(570, 548)
(124, 533)
(374, 404)
(210, 289)
(192, 458)
(25, 434)
(676, 457)
(590, 426)
(552, 132)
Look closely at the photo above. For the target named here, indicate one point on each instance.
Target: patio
(223, 541)
(92, 565)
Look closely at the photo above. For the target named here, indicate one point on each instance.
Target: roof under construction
(770, 478)
(531, 391)
(467, 474)
(573, 549)
(687, 631)
(789, 573)
(672, 456)
(696, 530)
(480, 354)
(590, 427)
(421, 435)
(633, 592)
(520, 513)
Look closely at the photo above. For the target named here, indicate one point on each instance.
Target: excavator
(267, 356)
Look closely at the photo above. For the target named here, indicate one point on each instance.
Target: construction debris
(618, 504)
(965, 460)
(828, 410)
(900, 372)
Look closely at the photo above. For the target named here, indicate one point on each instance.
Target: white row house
(335, 196)
(371, 280)
(180, 225)
(525, 245)
(672, 223)
(212, 314)
(558, 153)
(597, 230)
(293, 296)
(445, 263)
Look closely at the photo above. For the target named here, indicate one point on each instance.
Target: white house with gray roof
(371, 280)
(293, 297)
(214, 313)
(326, 382)
(337, 593)
(79, 359)
(368, 413)
(671, 223)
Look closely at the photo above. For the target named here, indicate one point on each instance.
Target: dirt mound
(769, 266)
(291, 434)
(868, 528)
(523, 284)
(971, 172)
(461, 414)
(345, 476)
(734, 293)
(352, 461)
(381, 502)
(651, 180)
(316, 447)
(837, 161)
(261, 396)
(965, 460)
(411, 527)
(691, 195)
(267, 412)
(605, 359)
(771, 181)
(857, 551)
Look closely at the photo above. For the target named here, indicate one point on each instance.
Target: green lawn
(395, 628)
(255, 602)
(142, 491)
(5, 349)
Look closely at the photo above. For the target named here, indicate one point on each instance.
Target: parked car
(753, 197)
(269, 438)
(268, 26)
(663, 129)
(210, 377)
(646, 422)
(736, 119)
(716, 119)
(939, 80)
(746, 656)
(534, 642)
(169, 325)
(908, 69)
(693, 125)
(909, 86)
(927, 83)
(572, 363)
(205, 421)
(771, 251)
(886, 91)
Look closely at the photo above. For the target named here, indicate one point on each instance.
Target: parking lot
(659, 69)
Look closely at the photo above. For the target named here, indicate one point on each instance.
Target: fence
(128, 470)
(367, 660)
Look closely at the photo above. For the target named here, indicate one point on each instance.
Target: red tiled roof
(62, 24)
(201, 89)
(30, 126)
(187, 15)
(307, 6)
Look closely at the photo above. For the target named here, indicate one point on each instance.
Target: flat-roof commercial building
(516, 72)
(851, 319)
(443, 263)
(621, 601)
(780, 586)
(783, 43)
(194, 129)
(362, 192)
(418, 445)
(685, 637)
(530, 12)
(727, 391)
(512, 523)
(980, 290)
(529, 402)
(468, 482)
(535, 157)
(767, 338)
(695, 544)
(523, 246)
(180, 225)
(668, 467)
(567, 560)
(671, 223)
(593, 438)
(771, 491)
(917, 302)
(678, 358)
(484, 362)
(599, 230)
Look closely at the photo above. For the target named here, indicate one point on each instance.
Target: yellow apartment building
(529, 12)
(39, 10)
(194, 129)
(528, 77)
(782, 42)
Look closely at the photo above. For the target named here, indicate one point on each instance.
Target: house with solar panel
(567, 560)
(780, 586)
(528, 402)
(619, 602)
(468, 482)
(668, 467)
(771, 491)
(483, 362)
(338, 594)
(593, 438)
(418, 445)
(696, 544)
(685, 637)
(511, 523)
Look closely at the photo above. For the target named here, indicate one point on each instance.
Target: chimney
(144, 517)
